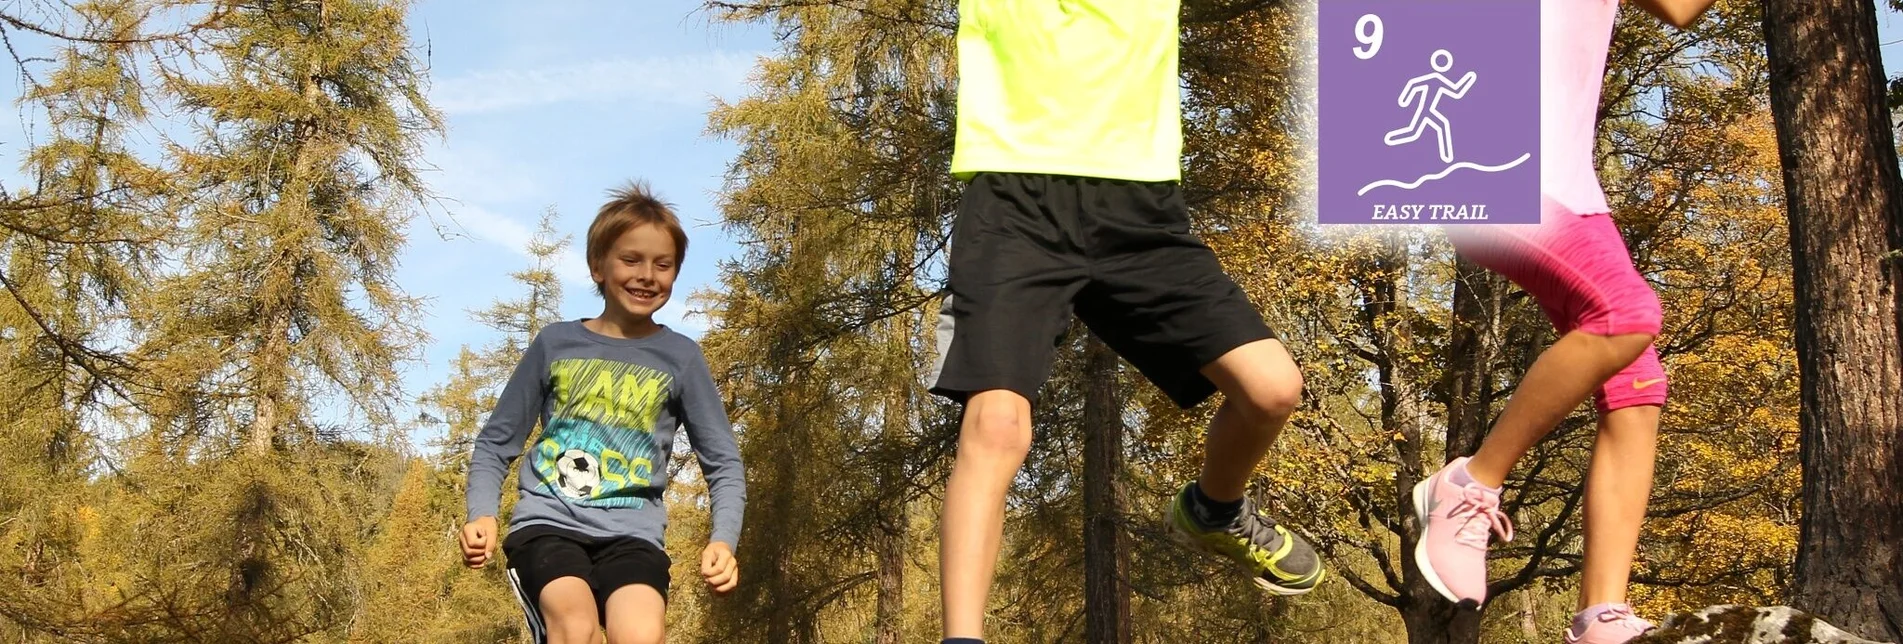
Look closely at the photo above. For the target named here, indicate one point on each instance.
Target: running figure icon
(1427, 110)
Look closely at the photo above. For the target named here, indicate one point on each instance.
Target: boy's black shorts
(1028, 250)
(540, 554)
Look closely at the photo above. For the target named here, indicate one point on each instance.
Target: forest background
(266, 264)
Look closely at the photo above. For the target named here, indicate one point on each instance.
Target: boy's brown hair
(631, 206)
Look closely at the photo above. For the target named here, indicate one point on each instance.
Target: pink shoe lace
(1617, 616)
(1479, 513)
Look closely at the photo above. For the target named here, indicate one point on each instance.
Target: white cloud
(471, 168)
(667, 80)
(514, 235)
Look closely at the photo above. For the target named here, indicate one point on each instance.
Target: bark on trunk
(1429, 619)
(1472, 353)
(1437, 622)
(1106, 559)
(892, 581)
(1529, 611)
(1842, 191)
(893, 522)
(271, 368)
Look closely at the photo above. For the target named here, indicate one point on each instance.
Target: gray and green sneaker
(1279, 561)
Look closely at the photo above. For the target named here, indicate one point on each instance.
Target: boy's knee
(636, 635)
(569, 613)
(997, 425)
(1273, 394)
(573, 630)
(1259, 381)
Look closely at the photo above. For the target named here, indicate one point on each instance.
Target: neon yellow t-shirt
(1070, 87)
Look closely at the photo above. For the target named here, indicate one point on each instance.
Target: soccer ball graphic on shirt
(580, 473)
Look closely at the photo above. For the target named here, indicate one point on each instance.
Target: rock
(1747, 625)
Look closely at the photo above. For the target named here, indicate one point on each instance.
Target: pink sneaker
(1615, 626)
(1455, 523)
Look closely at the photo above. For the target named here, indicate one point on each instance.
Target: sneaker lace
(1257, 529)
(1479, 513)
(1622, 616)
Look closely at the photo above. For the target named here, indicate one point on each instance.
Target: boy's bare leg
(1617, 488)
(992, 443)
(1261, 387)
(568, 607)
(637, 615)
(1563, 376)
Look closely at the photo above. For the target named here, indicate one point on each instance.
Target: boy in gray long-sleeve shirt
(585, 540)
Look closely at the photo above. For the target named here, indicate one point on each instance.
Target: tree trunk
(891, 609)
(893, 522)
(1472, 353)
(273, 363)
(1429, 618)
(1529, 611)
(1434, 621)
(1843, 197)
(778, 584)
(272, 368)
(1106, 559)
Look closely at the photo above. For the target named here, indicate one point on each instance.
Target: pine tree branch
(81, 355)
(1368, 589)
(861, 8)
(1542, 548)
(8, 19)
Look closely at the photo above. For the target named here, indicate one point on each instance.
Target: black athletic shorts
(1029, 250)
(540, 554)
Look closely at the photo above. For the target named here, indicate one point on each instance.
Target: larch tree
(308, 120)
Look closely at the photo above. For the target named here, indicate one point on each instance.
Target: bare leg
(1261, 387)
(637, 615)
(568, 605)
(992, 443)
(1617, 489)
(1563, 376)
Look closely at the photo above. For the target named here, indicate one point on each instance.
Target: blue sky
(550, 105)
(547, 105)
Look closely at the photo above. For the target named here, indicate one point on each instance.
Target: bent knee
(1273, 394)
(997, 425)
(573, 630)
(1641, 383)
(1629, 346)
(637, 635)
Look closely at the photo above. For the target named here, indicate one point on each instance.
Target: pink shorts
(1578, 269)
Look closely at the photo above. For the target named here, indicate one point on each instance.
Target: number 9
(1368, 31)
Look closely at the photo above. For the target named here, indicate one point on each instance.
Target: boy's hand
(479, 539)
(718, 568)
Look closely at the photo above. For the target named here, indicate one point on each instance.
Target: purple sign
(1429, 112)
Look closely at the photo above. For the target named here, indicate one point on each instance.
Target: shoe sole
(1190, 541)
(1421, 492)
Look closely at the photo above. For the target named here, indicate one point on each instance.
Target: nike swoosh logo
(1641, 384)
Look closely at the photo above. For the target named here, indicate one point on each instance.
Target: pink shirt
(1574, 38)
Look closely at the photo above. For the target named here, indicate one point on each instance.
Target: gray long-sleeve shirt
(609, 408)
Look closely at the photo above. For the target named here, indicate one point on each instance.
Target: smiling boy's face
(636, 274)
